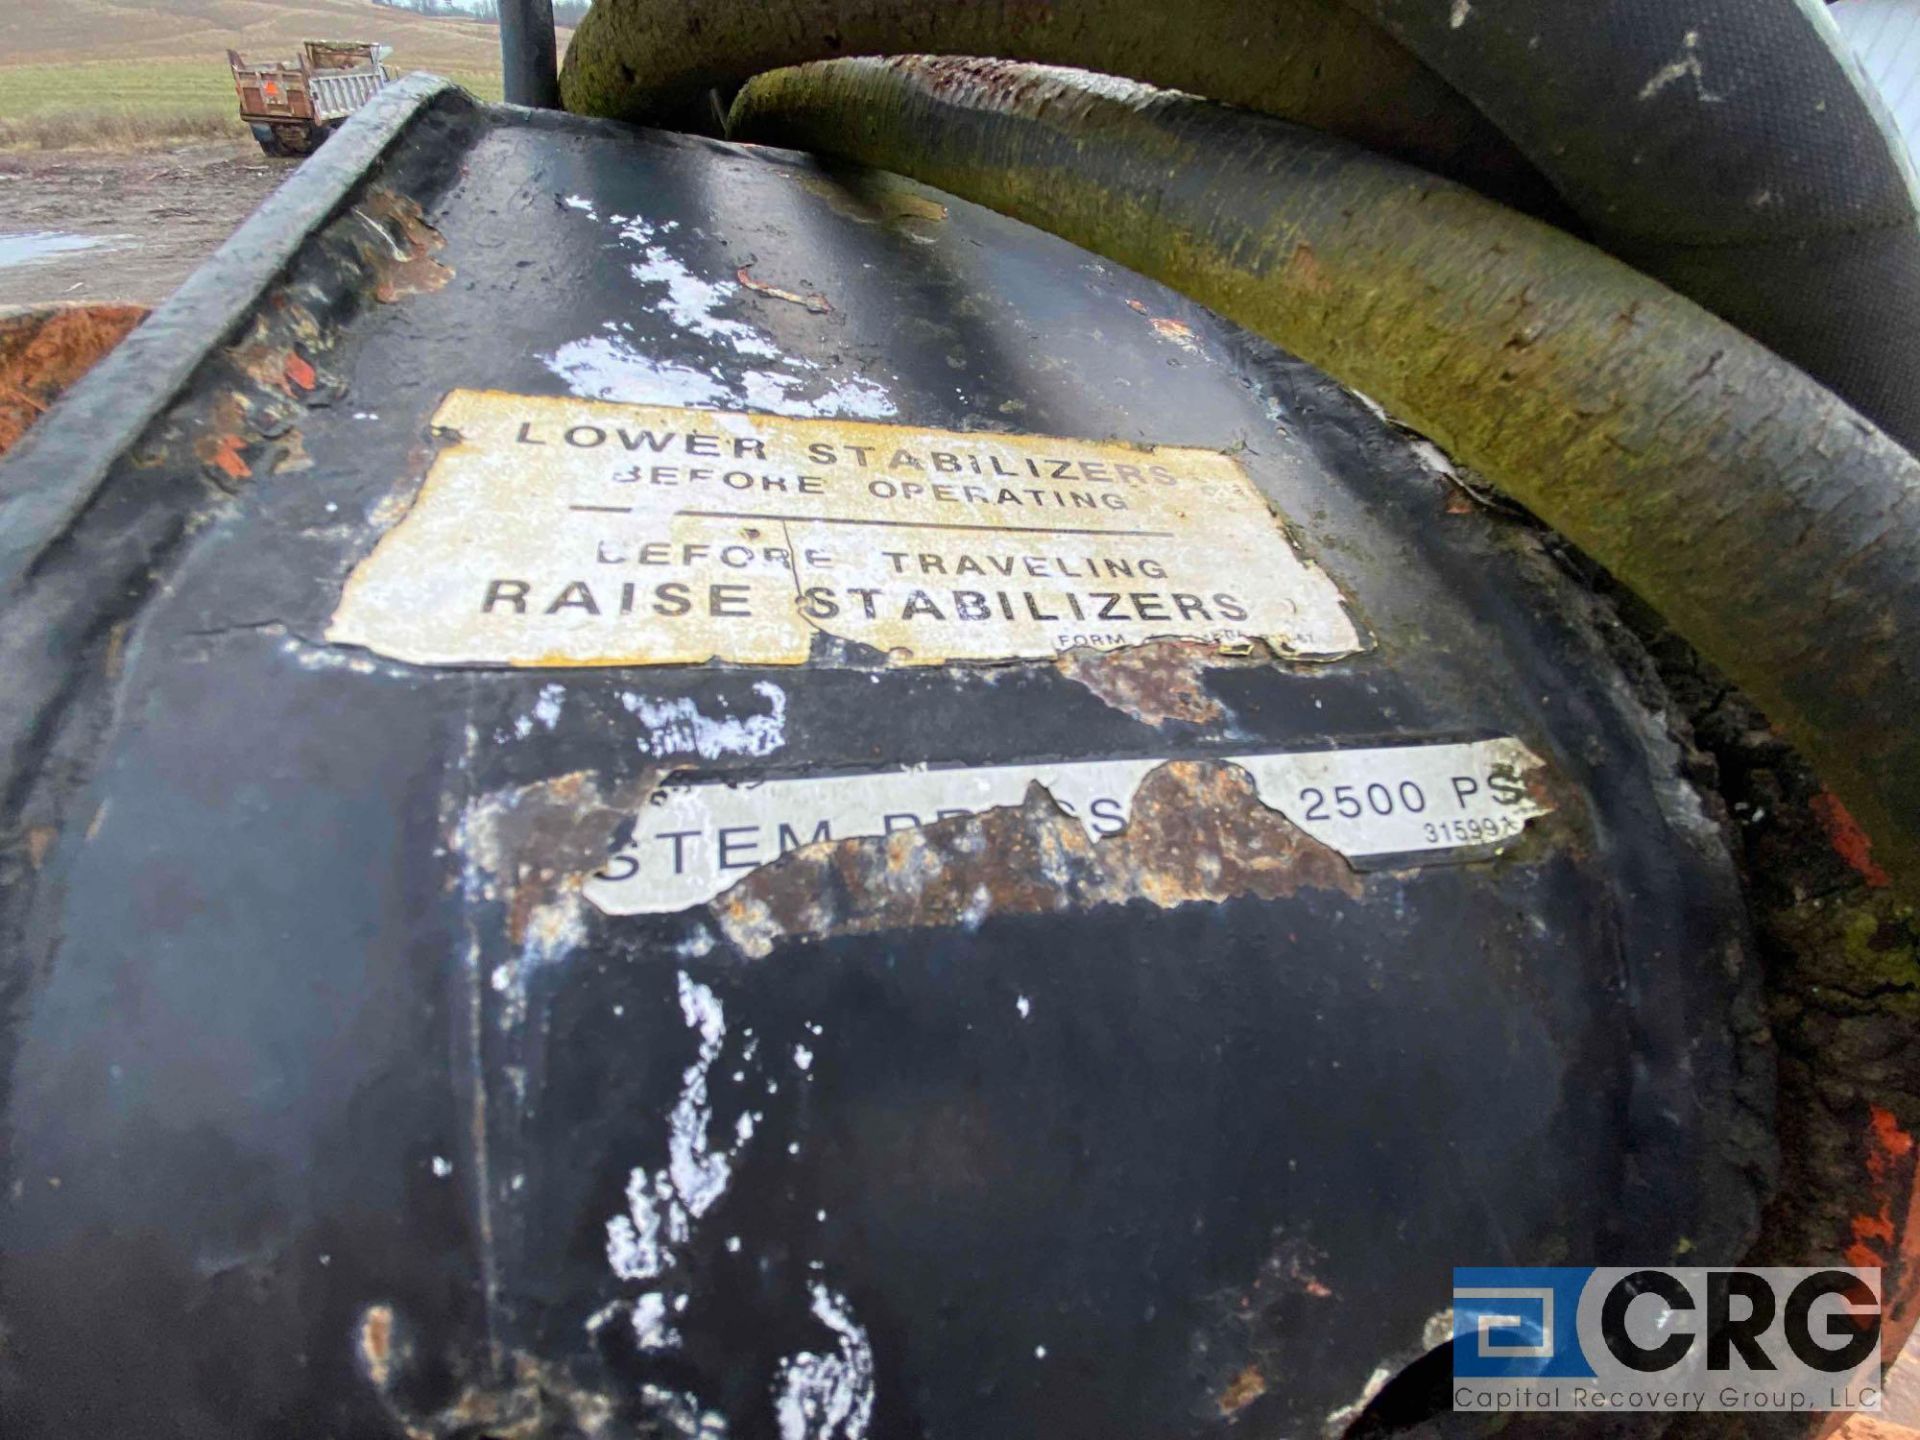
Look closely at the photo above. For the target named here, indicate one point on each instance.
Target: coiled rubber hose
(1727, 147)
(1767, 520)
(1317, 62)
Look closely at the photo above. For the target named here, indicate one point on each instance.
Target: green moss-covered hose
(1317, 62)
(1768, 521)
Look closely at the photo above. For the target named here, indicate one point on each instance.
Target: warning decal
(1409, 802)
(571, 532)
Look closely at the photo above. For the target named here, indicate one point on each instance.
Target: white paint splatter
(692, 303)
(827, 1397)
(650, 1328)
(1039, 1352)
(581, 203)
(607, 367)
(547, 708)
(1688, 64)
(1023, 1005)
(610, 366)
(664, 1205)
(697, 1171)
(442, 1166)
(1457, 16)
(803, 1057)
(678, 727)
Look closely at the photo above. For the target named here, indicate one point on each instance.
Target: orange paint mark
(1849, 841)
(1880, 1240)
(1861, 1257)
(1890, 1141)
(227, 457)
(300, 373)
(1873, 1227)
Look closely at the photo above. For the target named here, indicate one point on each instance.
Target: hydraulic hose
(1726, 147)
(1769, 522)
(1317, 62)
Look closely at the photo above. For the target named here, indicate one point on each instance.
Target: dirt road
(87, 225)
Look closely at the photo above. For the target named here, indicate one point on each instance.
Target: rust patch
(40, 840)
(816, 303)
(290, 453)
(1305, 271)
(1155, 682)
(1248, 1386)
(1197, 832)
(532, 1399)
(269, 356)
(536, 844)
(45, 349)
(1167, 329)
(376, 1344)
(398, 246)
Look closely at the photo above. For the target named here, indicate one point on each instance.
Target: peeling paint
(398, 245)
(1248, 1386)
(1156, 682)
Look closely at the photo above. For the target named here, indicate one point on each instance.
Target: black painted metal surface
(327, 1098)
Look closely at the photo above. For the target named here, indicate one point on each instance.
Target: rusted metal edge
(59, 466)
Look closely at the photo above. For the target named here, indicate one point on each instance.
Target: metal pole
(528, 67)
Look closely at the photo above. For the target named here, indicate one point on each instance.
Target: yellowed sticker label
(574, 532)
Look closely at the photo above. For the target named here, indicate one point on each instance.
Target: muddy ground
(153, 217)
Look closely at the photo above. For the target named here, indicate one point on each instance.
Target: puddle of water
(33, 246)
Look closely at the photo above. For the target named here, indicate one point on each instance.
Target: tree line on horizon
(567, 13)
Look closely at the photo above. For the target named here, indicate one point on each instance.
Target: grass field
(122, 104)
(117, 74)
